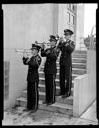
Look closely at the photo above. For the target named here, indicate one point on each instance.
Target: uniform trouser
(65, 79)
(32, 95)
(50, 88)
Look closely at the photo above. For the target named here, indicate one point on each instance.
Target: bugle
(23, 50)
(59, 39)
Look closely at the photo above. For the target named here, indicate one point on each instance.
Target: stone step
(77, 60)
(68, 100)
(42, 89)
(80, 60)
(41, 74)
(59, 108)
(56, 107)
(42, 94)
(79, 56)
(79, 52)
(76, 71)
(59, 99)
(42, 81)
(22, 101)
(72, 68)
(74, 65)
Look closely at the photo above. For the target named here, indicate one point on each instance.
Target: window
(68, 17)
(69, 6)
(72, 19)
(73, 8)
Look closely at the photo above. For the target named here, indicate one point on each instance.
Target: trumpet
(59, 39)
(44, 45)
(23, 50)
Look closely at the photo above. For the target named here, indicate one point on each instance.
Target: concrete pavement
(16, 116)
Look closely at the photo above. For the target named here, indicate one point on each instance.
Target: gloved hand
(48, 51)
(25, 54)
(43, 45)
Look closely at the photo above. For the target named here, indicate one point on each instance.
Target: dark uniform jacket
(50, 64)
(66, 50)
(34, 63)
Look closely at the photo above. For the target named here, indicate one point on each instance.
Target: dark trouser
(32, 95)
(65, 79)
(50, 88)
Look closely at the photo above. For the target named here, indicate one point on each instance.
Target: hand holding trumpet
(24, 54)
(43, 45)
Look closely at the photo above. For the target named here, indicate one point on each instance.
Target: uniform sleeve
(49, 54)
(70, 47)
(39, 60)
(60, 45)
(25, 60)
(35, 62)
(43, 53)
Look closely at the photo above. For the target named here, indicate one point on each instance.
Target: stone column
(79, 26)
(55, 18)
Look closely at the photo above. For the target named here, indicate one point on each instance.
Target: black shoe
(33, 111)
(44, 102)
(58, 94)
(50, 103)
(66, 95)
(26, 110)
(69, 94)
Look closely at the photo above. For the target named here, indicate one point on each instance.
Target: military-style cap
(35, 46)
(52, 38)
(68, 32)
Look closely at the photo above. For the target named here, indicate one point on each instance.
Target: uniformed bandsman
(33, 62)
(66, 47)
(50, 70)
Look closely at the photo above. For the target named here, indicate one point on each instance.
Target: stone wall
(23, 24)
(85, 86)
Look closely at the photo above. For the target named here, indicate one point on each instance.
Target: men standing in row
(50, 70)
(66, 47)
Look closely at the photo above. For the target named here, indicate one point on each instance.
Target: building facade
(71, 16)
(67, 18)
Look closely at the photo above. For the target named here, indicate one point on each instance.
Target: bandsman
(50, 70)
(66, 47)
(33, 61)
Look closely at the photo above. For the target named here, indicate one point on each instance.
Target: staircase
(62, 105)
